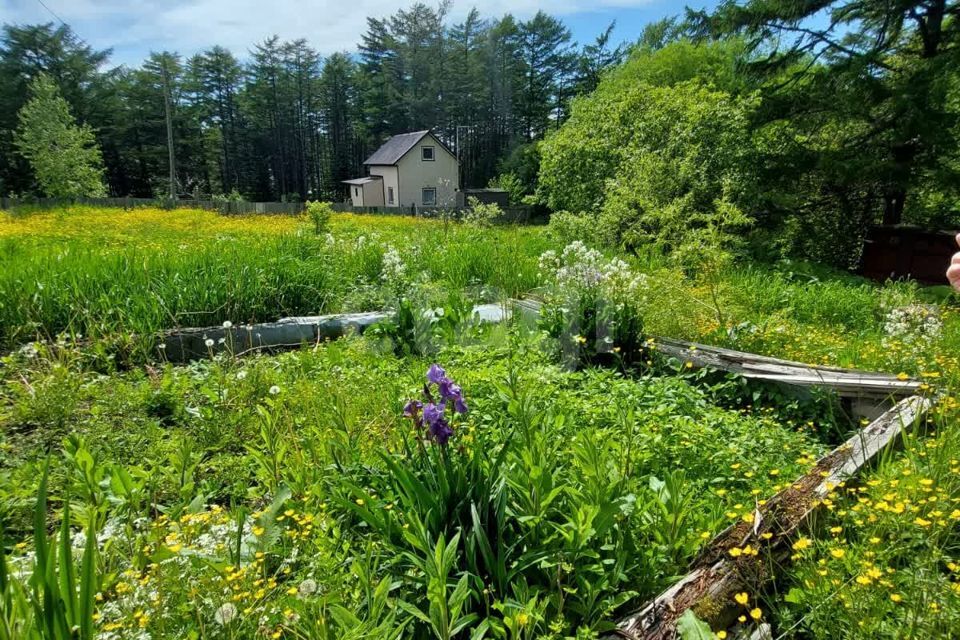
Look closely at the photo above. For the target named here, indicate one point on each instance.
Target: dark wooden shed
(908, 252)
(485, 196)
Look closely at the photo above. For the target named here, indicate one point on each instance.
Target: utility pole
(460, 172)
(165, 72)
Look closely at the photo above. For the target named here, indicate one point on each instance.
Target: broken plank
(715, 577)
(849, 383)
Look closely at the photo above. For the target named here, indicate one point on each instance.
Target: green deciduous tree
(64, 156)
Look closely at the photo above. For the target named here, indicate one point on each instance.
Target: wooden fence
(510, 214)
(222, 206)
(908, 252)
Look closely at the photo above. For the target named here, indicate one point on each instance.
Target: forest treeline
(284, 122)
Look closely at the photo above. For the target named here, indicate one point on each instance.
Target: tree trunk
(893, 201)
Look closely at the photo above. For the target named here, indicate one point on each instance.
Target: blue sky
(133, 28)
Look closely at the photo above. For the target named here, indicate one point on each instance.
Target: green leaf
(690, 627)
(794, 596)
(88, 581)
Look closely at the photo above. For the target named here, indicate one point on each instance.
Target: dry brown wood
(715, 576)
(846, 382)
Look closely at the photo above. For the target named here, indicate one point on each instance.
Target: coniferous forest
(280, 121)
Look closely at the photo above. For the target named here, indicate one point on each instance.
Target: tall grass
(137, 273)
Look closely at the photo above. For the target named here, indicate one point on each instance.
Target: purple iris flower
(432, 413)
(448, 389)
(436, 373)
(412, 410)
(441, 431)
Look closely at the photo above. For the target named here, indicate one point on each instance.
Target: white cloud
(133, 27)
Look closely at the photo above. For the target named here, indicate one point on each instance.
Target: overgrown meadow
(435, 477)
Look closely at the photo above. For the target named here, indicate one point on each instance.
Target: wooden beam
(848, 383)
(715, 576)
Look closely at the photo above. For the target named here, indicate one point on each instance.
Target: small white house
(410, 169)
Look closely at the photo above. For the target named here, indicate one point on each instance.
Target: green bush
(320, 214)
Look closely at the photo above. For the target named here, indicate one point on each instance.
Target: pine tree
(547, 61)
(215, 80)
(64, 156)
(339, 113)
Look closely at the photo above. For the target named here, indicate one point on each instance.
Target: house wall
(391, 178)
(373, 194)
(356, 195)
(415, 174)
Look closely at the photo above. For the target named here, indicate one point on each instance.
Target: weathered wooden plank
(715, 576)
(847, 382)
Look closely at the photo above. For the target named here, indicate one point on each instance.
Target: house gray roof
(396, 147)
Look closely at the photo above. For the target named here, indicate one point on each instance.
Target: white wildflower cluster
(915, 325)
(29, 351)
(393, 270)
(579, 268)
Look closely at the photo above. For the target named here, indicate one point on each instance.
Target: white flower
(208, 342)
(29, 351)
(274, 390)
(225, 614)
(307, 588)
(227, 324)
(241, 375)
(393, 269)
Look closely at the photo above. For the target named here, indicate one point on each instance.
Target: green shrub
(481, 214)
(320, 214)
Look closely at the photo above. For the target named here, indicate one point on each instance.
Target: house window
(389, 195)
(356, 191)
(429, 197)
(426, 154)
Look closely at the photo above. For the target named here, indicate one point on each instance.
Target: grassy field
(119, 277)
(304, 495)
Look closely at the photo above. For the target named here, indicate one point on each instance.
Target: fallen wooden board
(848, 383)
(715, 577)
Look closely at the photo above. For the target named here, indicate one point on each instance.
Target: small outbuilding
(366, 192)
(409, 170)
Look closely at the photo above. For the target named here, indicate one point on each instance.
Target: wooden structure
(907, 252)
(865, 392)
(715, 577)
(226, 207)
